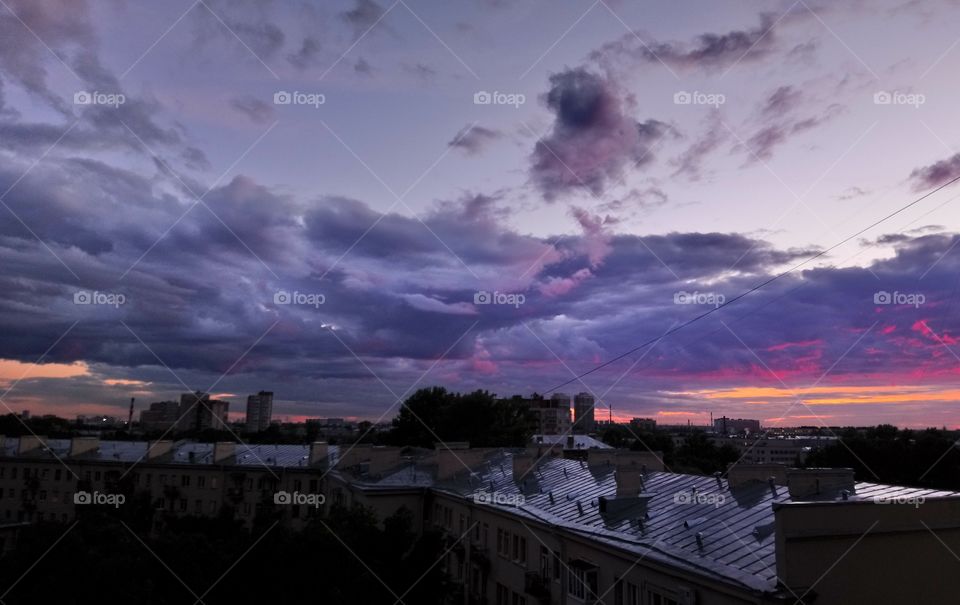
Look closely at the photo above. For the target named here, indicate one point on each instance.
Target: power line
(758, 286)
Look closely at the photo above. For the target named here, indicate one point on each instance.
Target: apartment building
(40, 478)
(259, 412)
(532, 526)
(583, 413)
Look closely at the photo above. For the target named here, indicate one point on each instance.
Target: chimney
(743, 474)
(318, 451)
(30, 443)
(451, 462)
(652, 461)
(383, 458)
(82, 445)
(570, 442)
(813, 482)
(601, 458)
(223, 450)
(523, 464)
(629, 481)
(155, 449)
(353, 455)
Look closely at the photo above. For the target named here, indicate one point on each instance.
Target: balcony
(537, 586)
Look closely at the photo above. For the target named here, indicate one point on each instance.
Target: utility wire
(758, 286)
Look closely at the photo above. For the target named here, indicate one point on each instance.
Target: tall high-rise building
(583, 419)
(197, 412)
(259, 411)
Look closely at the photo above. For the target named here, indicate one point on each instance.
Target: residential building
(197, 412)
(735, 426)
(643, 425)
(528, 526)
(161, 416)
(259, 412)
(583, 413)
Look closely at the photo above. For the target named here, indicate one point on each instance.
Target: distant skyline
(481, 195)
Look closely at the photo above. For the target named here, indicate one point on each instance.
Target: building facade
(259, 412)
(197, 412)
(583, 413)
(532, 526)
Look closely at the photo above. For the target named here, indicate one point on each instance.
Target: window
(544, 562)
(297, 485)
(503, 595)
(198, 506)
(556, 565)
(633, 594)
(575, 585)
(201, 481)
(486, 534)
(183, 504)
(56, 474)
(519, 549)
(519, 599)
(659, 596)
(185, 481)
(502, 537)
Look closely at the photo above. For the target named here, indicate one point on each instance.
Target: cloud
(364, 15)
(255, 109)
(592, 140)
(706, 51)
(308, 55)
(472, 139)
(936, 174)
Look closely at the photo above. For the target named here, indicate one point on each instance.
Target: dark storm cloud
(473, 139)
(593, 140)
(936, 174)
(401, 297)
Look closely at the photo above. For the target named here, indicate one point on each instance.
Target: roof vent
(551, 497)
(579, 508)
(772, 482)
(700, 540)
(717, 475)
(845, 494)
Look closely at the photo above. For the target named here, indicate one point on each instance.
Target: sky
(342, 202)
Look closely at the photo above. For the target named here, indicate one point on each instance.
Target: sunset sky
(170, 223)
